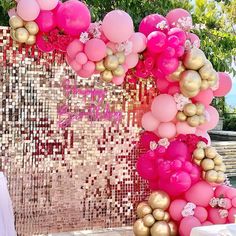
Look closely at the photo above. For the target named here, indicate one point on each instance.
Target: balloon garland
(184, 171)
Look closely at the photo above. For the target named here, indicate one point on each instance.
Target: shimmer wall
(64, 179)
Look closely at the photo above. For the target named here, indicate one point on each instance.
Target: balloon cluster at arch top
(184, 171)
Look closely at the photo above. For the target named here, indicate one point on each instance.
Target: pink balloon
(167, 130)
(173, 89)
(194, 39)
(170, 111)
(205, 135)
(117, 26)
(221, 190)
(139, 42)
(81, 58)
(46, 21)
(212, 117)
(184, 128)
(132, 60)
(187, 224)
(177, 150)
(43, 44)
(28, 10)
(149, 122)
(228, 203)
(234, 202)
(73, 17)
(89, 67)
(196, 196)
(112, 46)
(118, 80)
(95, 49)
(74, 48)
(225, 85)
(162, 85)
(12, 12)
(167, 65)
(205, 97)
(214, 216)
(231, 193)
(156, 42)
(232, 213)
(150, 22)
(176, 208)
(84, 73)
(176, 16)
(47, 5)
(179, 33)
(75, 66)
(201, 214)
(207, 223)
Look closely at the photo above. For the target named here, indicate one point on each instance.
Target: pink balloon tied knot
(188, 209)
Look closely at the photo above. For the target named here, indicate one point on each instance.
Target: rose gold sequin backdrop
(63, 180)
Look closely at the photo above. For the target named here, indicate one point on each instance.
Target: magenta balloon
(187, 224)
(205, 97)
(177, 150)
(28, 10)
(184, 128)
(201, 214)
(47, 5)
(167, 130)
(195, 174)
(162, 85)
(167, 65)
(225, 85)
(173, 41)
(46, 21)
(214, 216)
(170, 111)
(75, 66)
(150, 22)
(173, 89)
(179, 33)
(43, 44)
(212, 116)
(179, 51)
(73, 17)
(156, 42)
(146, 138)
(194, 39)
(95, 49)
(196, 196)
(149, 122)
(176, 208)
(233, 202)
(169, 52)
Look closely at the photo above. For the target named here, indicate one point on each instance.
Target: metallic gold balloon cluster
(23, 32)
(154, 220)
(199, 74)
(193, 114)
(111, 66)
(211, 163)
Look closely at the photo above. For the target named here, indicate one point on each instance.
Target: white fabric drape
(7, 227)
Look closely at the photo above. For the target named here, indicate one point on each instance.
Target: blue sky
(231, 97)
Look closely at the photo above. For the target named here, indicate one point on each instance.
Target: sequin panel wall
(81, 177)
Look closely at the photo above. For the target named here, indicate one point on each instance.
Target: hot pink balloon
(205, 97)
(170, 111)
(187, 224)
(73, 17)
(146, 138)
(162, 85)
(184, 128)
(81, 58)
(177, 150)
(47, 5)
(167, 65)
(139, 42)
(95, 49)
(167, 130)
(156, 42)
(46, 21)
(212, 117)
(118, 80)
(176, 208)
(43, 44)
(173, 89)
(150, 22)
(225, 85)
(149, 122)
(196, 196)
(194, 39)
(28, 10)
(214, 216)
(200, 213)
(117, 26)
(179, 33)
(132, 60)
(74, 48)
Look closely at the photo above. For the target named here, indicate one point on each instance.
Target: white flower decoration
(95, 29)
(223, 213)
(162, 25)
(164, 142)
(222, 203)
(214, 202)
(184, 23)
(188, 209)
(153, 145)
(84, 37)
(181, 101)
(125, 47)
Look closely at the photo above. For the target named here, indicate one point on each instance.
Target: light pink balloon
(196, 196)
(47, 5)
(212, 117)
(149, 122)
(204, 134)
(81, 58)
(184, 128)
(164, 101)
(117, 26)
(74, 48)
(89, 67)
(95, 49)
(132, 60)
(225, 85)
(200, 213)
(118, 80)
(46, 21)
(176, 209)
(12, 12)
(28, 10)
(139, 42)
(231, 193)
(84, 73)
(75, 66)
(232, 213)
(167, 130)
(214, 216)
(205, 97)
(194, 39)
(187, 224)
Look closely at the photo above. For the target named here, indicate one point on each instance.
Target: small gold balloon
(213, 76)
(173, 228)
(181, 116)
(199, 154)
(160, 228)
(121, 57)
(111, 62)
(143, 210)
(200, 109)
(158, 214)
(148, 220)
(119, 71)
(100, 66)
(189, 94)
(218, 160)
(194, 59)
(204, 85)
(207, 164)
(198, 162)
(193, 121)
(31, 40)
(201, 144)
(211, 176)
(32, 27)
(166, 217)
(21, 35)
(109, 52)
(190, 109)
(16, 22)
(220, 177)
(13, 34)
(210, 152)
(208, 63)
(176, 75)
(221, 168)
(212, 83)
(140, 229)
(159, 200)
(202, 120)
(206, 72)
(107, 76)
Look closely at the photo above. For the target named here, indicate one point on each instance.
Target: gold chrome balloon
(189, 94)
(31, 40)
(32, 27)
(221, 168)
(109, 52)
(207, 164)
(190, 109)
(194, 59)
(221, 177)
(119, 71)
(210, 152)
(143, 210)
(211, 176)
(160, 228)
(100, 66)
(111, 62)
(13, 34)
(202, 120)
(181, 116)
(201, 144)
(158, 214)
(200, 109)
(193, 121)
(207, 72)
(173, 228)
(121, 57)
(140, 229)
(159, 200)
(107, 76)
(149, 220)
(197, 162)
(16, 22)
(21, 35)
(204, 85)
(176, 75)
(199, 154)
(166, 217)
(190, 80)
(218, 160)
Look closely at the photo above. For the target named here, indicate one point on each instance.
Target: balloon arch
(184, 172)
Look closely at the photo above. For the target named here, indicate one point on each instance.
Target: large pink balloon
(117, 26)
(164, 101)
(167, 130)
(47, 5)
(156, 42)
(221, 190)
(214, 216)
(95, 49)
(225, 85)
(167, 65)
(184, 128)
(150, 22)
(196, 196)
(212, 117)
(205, 97)
(131, 60)
(73, 17)
(201, 214)
(74, 48)
(46, 21)
(187, 224)
(176, 209)
(179, 33)
(28, 10)
(139, 42)
(149, 122)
